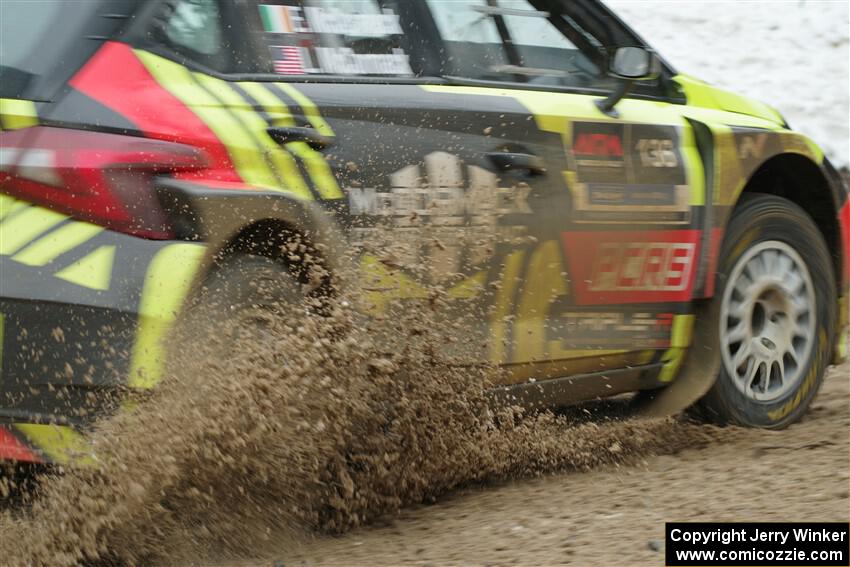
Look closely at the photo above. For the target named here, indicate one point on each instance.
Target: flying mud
(271, 428)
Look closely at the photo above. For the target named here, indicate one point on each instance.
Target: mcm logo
(441, 193)
(442, 214)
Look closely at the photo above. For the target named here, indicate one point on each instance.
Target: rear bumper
(43, 443)
(15, 447)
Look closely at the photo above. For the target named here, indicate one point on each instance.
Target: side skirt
(578, 388)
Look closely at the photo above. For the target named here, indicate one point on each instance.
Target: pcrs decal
(632, 266)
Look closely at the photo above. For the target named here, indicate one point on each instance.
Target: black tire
(245, 292)
(246, 281)
(757, 224)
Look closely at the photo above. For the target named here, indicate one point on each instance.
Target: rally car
(623, 227)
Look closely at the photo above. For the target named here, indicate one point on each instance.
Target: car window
(37, 36)
(517, 41)
(334, 37)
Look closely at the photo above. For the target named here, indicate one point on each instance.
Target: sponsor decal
(445, 216)
(642, 266)
(657, 153)
(628, 173)
(637, 195)
(596, 149)
(632, 266)
(344, 61)
(752, 146)
(323, 20)
(629, 330)
(315, 53)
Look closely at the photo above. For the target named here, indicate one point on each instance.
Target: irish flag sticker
(276, 19)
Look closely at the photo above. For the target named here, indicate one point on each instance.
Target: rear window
(37, 36)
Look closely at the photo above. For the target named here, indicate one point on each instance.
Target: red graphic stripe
(117, 79)
(844, 221)
(12, 449)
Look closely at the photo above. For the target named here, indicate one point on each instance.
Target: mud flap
(699, 369)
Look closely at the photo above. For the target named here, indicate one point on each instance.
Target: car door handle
(288, 134)
(506, 161)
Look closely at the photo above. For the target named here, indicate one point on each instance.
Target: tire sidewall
(761, 218)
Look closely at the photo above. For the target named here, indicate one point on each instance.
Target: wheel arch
(298, 233)
(286, 243)
(796, 177)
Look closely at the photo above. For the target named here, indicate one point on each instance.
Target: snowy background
(792, 54)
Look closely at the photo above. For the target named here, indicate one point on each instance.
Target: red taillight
(107, 179)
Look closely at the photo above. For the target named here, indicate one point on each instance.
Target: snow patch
(791, 54)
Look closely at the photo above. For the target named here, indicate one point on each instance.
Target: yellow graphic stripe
(470, 287)
(16, 114)
(21, 229)
(318, 168)
(280, 156)
(502, 307)
(841, 342)
(59, 443)
(552, 110)
(9, 205)
(167, 282)
(2, 328)
(745, 111)
(841, 347)
(93, 271)
(311, 111)
(693, 167)
(253, 122)
(381, 285)
(544, 283)
(177, 80)
(680, 339)
(814, 151)
(729, 180)
(65, 238)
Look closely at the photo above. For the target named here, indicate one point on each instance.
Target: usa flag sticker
(288, 59)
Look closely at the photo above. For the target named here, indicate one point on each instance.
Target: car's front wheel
(776, 289)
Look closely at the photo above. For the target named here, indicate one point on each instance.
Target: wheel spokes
(768, 320)
(743, 354)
